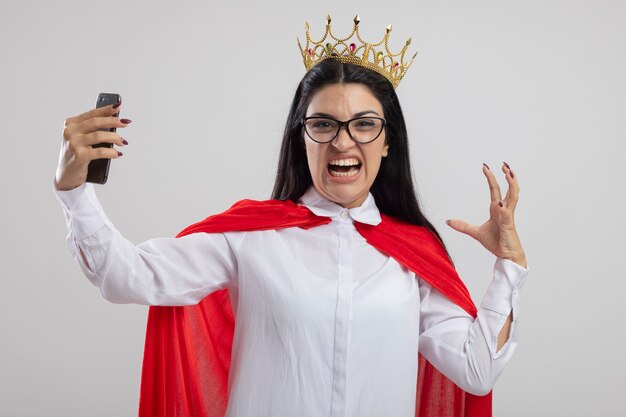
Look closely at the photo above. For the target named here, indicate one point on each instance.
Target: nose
(343, 141)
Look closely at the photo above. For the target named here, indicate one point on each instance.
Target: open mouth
(344, 167)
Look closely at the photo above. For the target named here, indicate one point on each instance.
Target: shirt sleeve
(161, 271)
(464, 349)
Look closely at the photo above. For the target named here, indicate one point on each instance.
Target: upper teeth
(344, 162)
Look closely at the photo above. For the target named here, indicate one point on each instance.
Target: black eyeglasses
(360, 129)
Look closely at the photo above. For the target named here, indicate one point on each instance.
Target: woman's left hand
(498, 234)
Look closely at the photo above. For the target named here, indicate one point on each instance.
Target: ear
(386, 150)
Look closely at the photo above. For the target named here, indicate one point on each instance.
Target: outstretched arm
(498, 234)
(473, 352)
(165, 271)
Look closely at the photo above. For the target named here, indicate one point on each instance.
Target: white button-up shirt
(326, 324)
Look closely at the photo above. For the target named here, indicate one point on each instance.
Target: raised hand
(498, 233)
(79, 133)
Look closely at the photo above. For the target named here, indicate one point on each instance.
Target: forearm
(474, 352)
(506, 330)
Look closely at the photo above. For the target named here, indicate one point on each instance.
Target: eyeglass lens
(361, 129)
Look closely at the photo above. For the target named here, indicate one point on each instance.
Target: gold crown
(368, 55)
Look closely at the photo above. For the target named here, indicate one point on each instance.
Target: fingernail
(119, 153)
(486, 166)
(116, 105)
(124, 141)
(511, 172)
(448, 222)
(506, 165)
(500, 203)
(125, 121)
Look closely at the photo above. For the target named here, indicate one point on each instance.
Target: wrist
(64, 187)
(520, 260)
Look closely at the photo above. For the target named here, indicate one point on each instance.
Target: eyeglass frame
(341, 125)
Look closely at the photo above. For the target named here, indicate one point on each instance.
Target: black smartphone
(98, 169)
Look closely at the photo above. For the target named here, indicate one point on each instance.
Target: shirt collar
(366, 213)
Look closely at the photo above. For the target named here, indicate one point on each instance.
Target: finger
(95, 123)
(85, 155)
(97, 112)
(101, 136)
(494, 188)
(463, 227)
(512, 194)
(506, 215)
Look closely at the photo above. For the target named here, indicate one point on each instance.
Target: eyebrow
(359, 114)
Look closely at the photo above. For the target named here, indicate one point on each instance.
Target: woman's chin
(347, 195)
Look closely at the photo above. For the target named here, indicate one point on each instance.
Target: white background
(538, 84)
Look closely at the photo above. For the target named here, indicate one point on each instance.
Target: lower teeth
(344, 174)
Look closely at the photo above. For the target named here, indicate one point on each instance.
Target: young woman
(327, 323)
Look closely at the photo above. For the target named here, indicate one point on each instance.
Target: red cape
(188, 349)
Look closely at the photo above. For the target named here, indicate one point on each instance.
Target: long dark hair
(393, 188)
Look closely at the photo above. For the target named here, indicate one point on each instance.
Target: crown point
(306, 26)
(328, 19)
(388, 29)
(408, 41)
(357, 19)
(414, 55)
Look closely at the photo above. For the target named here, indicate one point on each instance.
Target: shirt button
(344, 214)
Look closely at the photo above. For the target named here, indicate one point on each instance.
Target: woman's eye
(323, 124)
(365, 123)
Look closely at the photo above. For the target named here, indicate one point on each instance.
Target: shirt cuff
(502, 295)
(83, 211)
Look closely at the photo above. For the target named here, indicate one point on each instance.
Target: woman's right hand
(79, 133)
